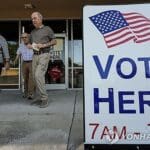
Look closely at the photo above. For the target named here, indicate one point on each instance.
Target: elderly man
(26, 55)
(4, 53)
(42, 40)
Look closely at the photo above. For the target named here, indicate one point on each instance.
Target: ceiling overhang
(57, 9)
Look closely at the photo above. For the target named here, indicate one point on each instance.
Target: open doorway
(56, 75)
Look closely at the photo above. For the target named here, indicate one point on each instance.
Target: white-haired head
(37, 19)
(38, 14)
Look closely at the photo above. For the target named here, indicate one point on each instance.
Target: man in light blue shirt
(4, 53)
(26, 55)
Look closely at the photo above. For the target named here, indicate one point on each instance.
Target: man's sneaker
(24, 95)
(30, 97)
(43, 104)
(36, 101)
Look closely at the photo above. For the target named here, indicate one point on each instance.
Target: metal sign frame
(97, 63)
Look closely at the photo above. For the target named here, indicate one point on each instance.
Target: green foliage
(12, 46)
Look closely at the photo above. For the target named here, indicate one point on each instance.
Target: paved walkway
(26, 127)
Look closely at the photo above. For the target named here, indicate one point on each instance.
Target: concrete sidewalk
(26, 127)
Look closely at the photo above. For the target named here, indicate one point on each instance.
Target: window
(75, 55)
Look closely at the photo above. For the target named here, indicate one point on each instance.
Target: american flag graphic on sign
(118, 28)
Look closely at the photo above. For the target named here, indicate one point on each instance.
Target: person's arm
(29, 45)
(5, 52)
(5, 49)
(48, 44)
(16, 59)
(18, 53)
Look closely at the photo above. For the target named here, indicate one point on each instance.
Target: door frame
(64, 85)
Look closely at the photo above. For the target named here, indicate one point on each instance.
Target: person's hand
(40, 45)
(29, 46)
(14, 62)
(7, 65)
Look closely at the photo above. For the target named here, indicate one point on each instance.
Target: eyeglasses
(24, 37)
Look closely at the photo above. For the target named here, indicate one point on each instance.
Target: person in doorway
(42, 40)
(4, 54)
(26, 55)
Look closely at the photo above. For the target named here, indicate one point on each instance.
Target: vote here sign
(117, 74)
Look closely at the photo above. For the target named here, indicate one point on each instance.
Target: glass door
(10, 79)
(56, 76)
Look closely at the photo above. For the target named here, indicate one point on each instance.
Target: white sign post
(117, 74)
